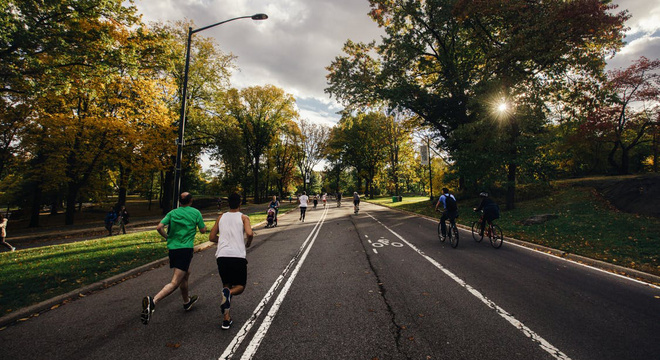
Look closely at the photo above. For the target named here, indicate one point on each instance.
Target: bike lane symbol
(382, 242)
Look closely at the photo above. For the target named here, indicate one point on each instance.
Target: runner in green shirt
(182, 226)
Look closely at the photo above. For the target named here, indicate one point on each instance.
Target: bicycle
(494, 232)
(452, 233)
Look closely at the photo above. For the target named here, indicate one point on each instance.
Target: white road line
(567, 260)
(544, 344)
(268, 320)
(375, 251)
(245, 329)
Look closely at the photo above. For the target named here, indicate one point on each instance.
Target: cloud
(643, 36)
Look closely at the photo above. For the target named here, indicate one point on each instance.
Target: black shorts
(233, 271)
(356, 202)
(181, 258)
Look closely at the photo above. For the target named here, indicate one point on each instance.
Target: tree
(311, 141)
(261, 112)
(629, 109)
(439, 56)
(398, 137)
(362, 144)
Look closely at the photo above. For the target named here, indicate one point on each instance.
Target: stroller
(271, 218)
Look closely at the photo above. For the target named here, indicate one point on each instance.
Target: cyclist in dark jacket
(490, 208)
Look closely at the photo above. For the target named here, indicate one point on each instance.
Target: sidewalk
(59, 235)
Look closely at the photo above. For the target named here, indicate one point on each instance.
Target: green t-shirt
(183, 223)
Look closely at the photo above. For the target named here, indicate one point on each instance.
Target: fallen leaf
(412, 338)
(55, 307)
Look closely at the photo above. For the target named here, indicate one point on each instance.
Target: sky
(292, 48)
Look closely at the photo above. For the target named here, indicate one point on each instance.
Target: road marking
(544, 344)
(375, 251)
(268, 320)
(567, 260)
(245, 329)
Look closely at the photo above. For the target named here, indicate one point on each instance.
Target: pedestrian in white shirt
(303, 199)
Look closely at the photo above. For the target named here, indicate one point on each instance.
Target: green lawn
(586, 225)
(32, 275)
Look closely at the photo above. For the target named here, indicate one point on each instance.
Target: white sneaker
(13, 249)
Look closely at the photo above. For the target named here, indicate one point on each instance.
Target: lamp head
(259, 17)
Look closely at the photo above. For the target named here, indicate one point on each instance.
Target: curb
(35, 310)
(602, 265)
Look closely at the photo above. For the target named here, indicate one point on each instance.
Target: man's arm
(248, 230)
(213, 236)
(161, 230)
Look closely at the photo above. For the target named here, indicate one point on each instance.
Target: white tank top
(231, 243)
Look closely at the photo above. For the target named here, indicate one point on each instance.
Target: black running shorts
(233, 271)
(181, 258)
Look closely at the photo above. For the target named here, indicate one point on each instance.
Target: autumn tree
(628, 111)
(261, 112)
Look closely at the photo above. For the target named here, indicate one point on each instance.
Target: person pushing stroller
(271, 215)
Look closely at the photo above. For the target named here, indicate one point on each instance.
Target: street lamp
(184, 95)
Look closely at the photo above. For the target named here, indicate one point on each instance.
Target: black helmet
(483, 194)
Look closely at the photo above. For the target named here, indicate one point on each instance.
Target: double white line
(253, 346)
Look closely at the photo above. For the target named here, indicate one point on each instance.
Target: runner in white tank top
(228, 232)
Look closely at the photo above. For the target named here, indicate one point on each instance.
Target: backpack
(450, 203)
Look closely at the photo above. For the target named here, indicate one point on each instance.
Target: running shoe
(226, 300)
(189, 304)
(148, 308)
(226, 324)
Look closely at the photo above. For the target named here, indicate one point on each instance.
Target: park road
(376, 285)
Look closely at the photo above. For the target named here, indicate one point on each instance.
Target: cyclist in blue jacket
(450, 209)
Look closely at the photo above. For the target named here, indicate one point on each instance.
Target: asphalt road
(377, 285)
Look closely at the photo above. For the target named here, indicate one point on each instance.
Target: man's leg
(184, 288)
(177, 278)
(233, 290)
(443, 225)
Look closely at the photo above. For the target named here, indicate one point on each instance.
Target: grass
(33, 275)
(586, 225)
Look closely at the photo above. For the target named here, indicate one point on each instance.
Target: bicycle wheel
(442, 238)
(497, 238)
(476, 228)
(453, 234)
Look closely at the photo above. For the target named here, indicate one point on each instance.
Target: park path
(378, 284)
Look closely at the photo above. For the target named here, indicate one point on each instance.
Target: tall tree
(261, 112)
(439, 55)
(628, 111)
(311, 141)
(362, 143)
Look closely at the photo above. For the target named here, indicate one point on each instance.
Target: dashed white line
(544, 344)
(375, 251)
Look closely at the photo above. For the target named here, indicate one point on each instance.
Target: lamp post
(184, 95)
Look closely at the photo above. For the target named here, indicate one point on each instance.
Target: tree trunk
(123, 180)
(71, 195)
(255, 171)
(36, 206)
(655, 150)
(625, 161)
(610, 157)
(511, 186)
